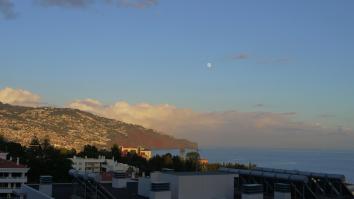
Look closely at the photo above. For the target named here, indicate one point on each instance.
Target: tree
(193, 156)
(167, 161)
(116, 153)
(192, 161)
(89, 151)
(178, 163)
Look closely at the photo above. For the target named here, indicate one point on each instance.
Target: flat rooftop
(66, 190)
(195, 173)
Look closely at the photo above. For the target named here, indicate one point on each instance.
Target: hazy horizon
(220, 73)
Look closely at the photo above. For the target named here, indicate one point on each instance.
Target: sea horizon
(333, 161)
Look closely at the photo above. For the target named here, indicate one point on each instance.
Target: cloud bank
(230, 128)
(19, 97)
(221, 129)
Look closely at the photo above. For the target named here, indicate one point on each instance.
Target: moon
(209, 65)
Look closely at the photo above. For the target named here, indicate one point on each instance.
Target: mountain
(72, 128)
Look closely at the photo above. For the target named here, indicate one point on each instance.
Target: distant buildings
(13, 175)
(89, 182)
(203, 161)
(145, 153)
(97, 165)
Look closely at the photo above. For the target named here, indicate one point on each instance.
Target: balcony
(13, 179)
(8, 190)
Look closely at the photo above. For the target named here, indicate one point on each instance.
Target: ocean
(327, 161)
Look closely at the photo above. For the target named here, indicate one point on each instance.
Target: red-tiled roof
(10, 164)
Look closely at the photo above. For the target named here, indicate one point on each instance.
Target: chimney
(160, 190)
(46, 185)
(119, 179)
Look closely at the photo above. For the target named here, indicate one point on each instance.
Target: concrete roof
(196, 173)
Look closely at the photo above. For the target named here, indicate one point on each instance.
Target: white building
(12, 176)
(191, 185)
(98, 165)
(112, 165)
(90, 165)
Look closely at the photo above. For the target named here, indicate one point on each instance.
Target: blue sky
(297, 56)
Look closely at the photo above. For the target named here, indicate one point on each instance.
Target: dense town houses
(140, 151)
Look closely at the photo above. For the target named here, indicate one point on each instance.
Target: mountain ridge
(73, 128)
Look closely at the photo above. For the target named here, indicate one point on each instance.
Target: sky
(273, 73)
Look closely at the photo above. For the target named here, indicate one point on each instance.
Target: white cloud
(19, 97)
(229, 128)
(232, 128)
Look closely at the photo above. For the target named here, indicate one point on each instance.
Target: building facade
(12, 176)
(98, 165)
(90, 165)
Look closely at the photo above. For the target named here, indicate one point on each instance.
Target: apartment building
(13, 175)
(98, 165)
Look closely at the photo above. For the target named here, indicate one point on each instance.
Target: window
(4, 175)
(4, 185)
(16, 175)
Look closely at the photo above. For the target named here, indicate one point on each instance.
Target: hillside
(71, 128)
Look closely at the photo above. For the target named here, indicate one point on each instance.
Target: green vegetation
(44, 159)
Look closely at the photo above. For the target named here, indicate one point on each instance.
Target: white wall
(281, 195)
(160, 195)
(220, 186)
(206, 187)
(252, 196)
(144, 187)
(120, 183)
(173, 180)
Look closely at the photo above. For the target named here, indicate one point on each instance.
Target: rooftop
(10, 164)
(196, 173)
(66, 190)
